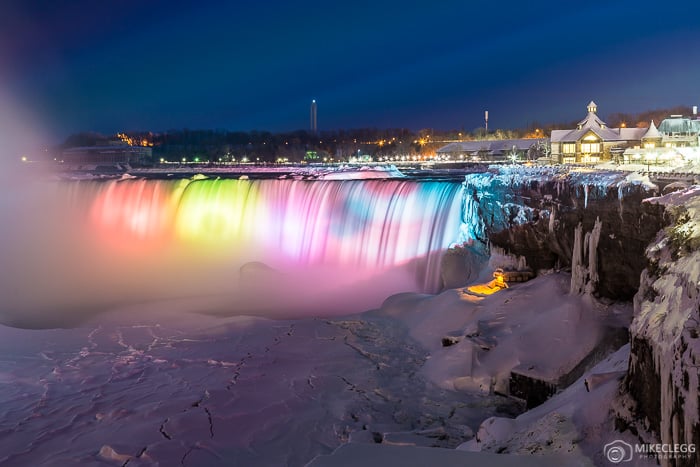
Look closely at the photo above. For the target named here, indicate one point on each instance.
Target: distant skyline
(158, 65)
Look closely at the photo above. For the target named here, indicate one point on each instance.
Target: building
(501, 150)
(678, 131)
(675, 142)
(112, 154)
(592, 140)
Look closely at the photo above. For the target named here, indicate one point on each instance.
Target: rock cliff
(535, 213)
(622, 243)
(660, 398)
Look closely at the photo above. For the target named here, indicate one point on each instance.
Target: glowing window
(568, 148)
(590, 147)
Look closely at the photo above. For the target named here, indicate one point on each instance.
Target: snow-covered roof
(606, 134)
(632, 134)
(652, 132)
(592, 120)
(494, 146)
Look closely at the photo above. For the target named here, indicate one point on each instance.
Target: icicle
(584, 276)
(593, 240)
(522, 263)
(552, 218)
(585, 196)
(578, 271)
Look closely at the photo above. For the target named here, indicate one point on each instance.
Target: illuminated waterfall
(371, 225)
(308, 247)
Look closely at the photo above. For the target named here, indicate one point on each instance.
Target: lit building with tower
(675, 140)
(313, 119)
(592, 140)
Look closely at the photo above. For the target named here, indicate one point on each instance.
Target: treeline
(335, 145)
(642, 119)
(295, 146)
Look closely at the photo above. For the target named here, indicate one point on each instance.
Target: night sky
(109, 66)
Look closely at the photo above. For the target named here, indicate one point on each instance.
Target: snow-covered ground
(150, 387)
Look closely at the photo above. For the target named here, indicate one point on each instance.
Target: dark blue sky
(154, 65)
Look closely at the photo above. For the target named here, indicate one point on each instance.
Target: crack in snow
(211, 423)
(163, 432)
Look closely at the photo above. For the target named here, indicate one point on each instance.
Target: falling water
(144, 239)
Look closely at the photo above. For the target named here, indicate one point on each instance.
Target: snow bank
(516, 327)
(577, 422)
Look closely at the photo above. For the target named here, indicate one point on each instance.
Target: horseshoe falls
(277, 247)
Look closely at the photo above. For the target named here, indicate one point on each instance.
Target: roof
(592, 120)
(632, 134)
(652, 132)
(571, 136)
(493, 146)
(675, 124)
(107, 149)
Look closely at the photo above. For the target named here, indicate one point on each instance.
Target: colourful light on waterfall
(367, 225)
(220, 214)
(136, 209)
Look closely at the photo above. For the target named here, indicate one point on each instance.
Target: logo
(618, 451)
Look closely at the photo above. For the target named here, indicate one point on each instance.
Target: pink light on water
(134, 210)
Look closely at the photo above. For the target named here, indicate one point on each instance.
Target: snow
(148, 385)
(517, 326)
(348, 172)
(594, 182)
(668, 313)
(687, 162)
(576, 422)
(368, 455)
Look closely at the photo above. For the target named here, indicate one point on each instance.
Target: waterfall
(225, 246)
(369, 224)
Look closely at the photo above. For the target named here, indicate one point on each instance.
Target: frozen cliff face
(534, 212)
(662, 399)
